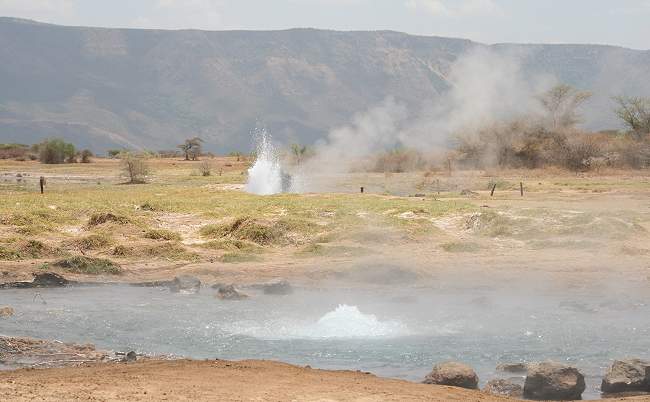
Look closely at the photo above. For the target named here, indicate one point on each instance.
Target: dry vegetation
(88, 223)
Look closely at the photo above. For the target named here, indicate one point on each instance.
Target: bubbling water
(344, 322)
(348, 322)
(265, 176)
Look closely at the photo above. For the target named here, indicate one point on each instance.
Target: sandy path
(185, 380)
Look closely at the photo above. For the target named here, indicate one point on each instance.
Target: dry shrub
(205, 168)
(399, 160)
(521, 145)
(134, 167)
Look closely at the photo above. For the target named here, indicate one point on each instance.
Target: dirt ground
(185, 380)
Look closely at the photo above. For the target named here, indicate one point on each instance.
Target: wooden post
(494, 187)
(42, 184)
(521, 188)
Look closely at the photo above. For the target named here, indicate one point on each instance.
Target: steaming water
(345, 322)
(265, 176)
(392, 333)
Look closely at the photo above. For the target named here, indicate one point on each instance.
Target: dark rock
(515, 368)
(130, 357)
(49, 280)
(6, 312)
(280, 288)
(504, 388)
(230, 293)
(553, 381)
(185, 284)
(453, 374)
(627, 376)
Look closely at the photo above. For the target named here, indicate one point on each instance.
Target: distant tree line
(50, 151)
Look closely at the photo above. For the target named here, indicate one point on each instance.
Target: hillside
(150, 88)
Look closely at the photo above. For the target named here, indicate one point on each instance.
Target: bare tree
(635, 114)
(192, 148)
(134, 167)
(561, 104)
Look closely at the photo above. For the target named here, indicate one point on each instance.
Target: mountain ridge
(113, 87)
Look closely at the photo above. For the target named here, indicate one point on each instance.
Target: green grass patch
(88, 266)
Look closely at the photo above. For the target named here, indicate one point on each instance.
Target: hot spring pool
(390, 333)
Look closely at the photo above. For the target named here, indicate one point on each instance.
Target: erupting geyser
(265, 177)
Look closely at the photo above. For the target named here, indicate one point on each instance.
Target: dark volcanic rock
(185, 284)
(454, 374)
(627, 376)
(130, 357)
(230, 293)
(41, 280)
(553, 381)
(504, 388)
(49, 280)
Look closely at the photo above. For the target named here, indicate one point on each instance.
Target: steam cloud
(486, 87)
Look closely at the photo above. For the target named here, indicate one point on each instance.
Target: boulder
(515, 368)
(627, 376)
(6, 312)
(230, 293)
(130, 357)
(185, 284)
(454, 374)
(504, 388)
(49, 280)
(280, 288)
(553, 381)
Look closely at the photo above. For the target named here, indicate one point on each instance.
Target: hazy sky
(616, 22)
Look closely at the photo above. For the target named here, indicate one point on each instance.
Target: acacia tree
(561, 104)
(192, 148)
(635, 114)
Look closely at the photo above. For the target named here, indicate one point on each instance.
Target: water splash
(265, 176)
(348, 322)
(345, 322)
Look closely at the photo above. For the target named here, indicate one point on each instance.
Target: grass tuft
(102, 218)
(95, 241)
(161, 234)
(88, 265)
